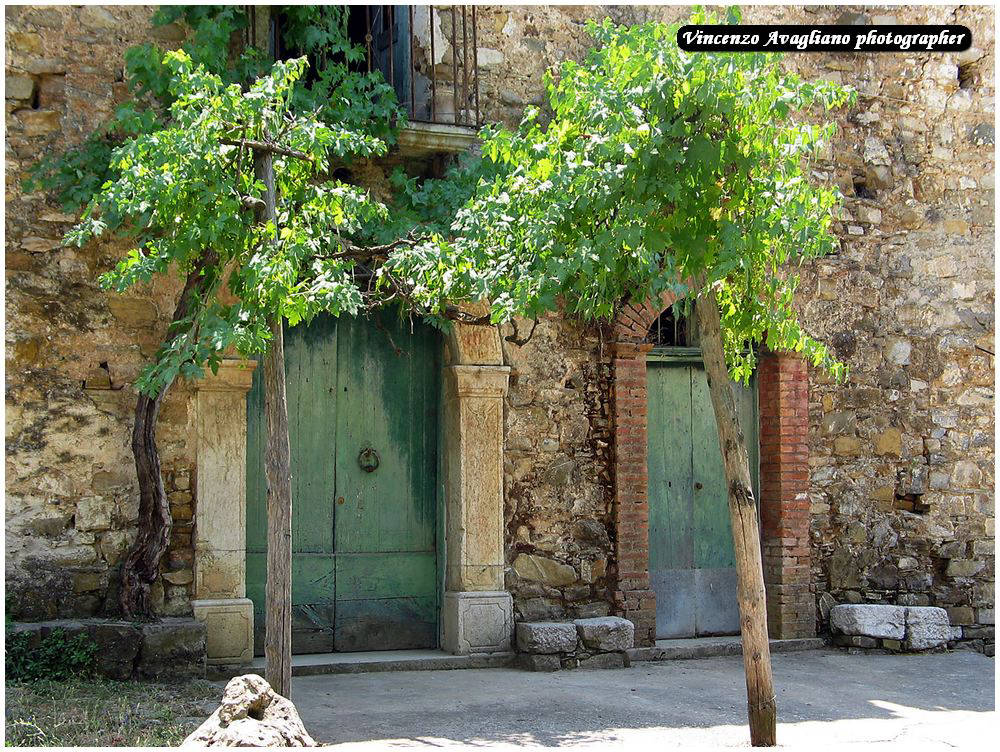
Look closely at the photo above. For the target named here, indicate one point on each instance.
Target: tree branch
(267, 147)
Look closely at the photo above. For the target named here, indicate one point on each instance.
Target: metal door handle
(340, 499)
(369, 460)
(698, 486)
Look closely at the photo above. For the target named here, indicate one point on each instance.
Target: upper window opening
(673, 330)
(428, 55)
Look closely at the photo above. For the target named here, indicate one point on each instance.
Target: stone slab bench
(601, 642)
(172, 648)
(895, 628)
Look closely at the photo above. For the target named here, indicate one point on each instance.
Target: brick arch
(783, 402)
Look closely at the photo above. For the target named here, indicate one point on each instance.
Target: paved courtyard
(826, 700)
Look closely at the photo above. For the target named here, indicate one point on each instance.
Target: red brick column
(633, 598)
(783, 398)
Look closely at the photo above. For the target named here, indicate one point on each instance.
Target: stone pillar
(220, 517)
(477, 614)
(783, 397)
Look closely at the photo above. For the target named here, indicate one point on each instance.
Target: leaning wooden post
(277, 470)
(277, 455)
(761, 704)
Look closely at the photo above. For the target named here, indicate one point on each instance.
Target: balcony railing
(428, 55)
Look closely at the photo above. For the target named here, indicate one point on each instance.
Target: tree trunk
(141, 565)
(746, 534)
(277, 470)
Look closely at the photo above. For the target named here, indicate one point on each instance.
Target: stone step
(380, 660)
(708, 647)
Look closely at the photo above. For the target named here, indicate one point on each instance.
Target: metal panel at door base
(695, 602)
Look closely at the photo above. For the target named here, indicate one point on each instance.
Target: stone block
(964, 567)
(173, 648)
(855, 641)
(39, 122)
(117, 642)
(180, 577)
(94, 513)
(535, 662)
(228, 629)
(605, 660)
(118, 646)
(869, 620)
(477, 622)
(606, 633)
(546, 637)
(986, 616)
(979, 633)
(926, 627)
(133, 312)
(18, 87)
(961, 615)
(546, 571)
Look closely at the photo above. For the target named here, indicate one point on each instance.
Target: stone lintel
(477, 622)
(234, 375)
(228, 629)
(421, 139)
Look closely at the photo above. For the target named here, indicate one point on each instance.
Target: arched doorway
(691, 565)
(363, 411)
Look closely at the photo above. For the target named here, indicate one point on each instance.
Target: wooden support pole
(761, 704)
(277, 470)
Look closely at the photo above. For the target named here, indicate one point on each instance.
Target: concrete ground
(826, 700)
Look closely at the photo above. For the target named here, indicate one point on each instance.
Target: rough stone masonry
(901, 467)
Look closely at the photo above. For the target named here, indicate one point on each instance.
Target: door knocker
(368, 460)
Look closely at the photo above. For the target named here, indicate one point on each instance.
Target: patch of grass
(99, 712)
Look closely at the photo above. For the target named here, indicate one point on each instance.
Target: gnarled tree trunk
(761, 705)
(141, 565)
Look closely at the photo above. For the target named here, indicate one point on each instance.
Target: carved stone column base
(475, 622)
(228, 629)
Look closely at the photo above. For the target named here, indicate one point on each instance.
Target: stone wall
(71, 349)
(901, 489)
(557, 489)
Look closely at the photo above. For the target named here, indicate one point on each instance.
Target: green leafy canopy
(657, 166)
(183, 193)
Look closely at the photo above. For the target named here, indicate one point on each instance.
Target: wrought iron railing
(429, 55)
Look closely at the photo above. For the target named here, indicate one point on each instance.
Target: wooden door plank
(713, 547)
(669, 467)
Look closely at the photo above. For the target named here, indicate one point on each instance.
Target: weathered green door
(362, 413)
(691, 565)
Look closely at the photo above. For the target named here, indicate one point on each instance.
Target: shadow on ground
(883, 697)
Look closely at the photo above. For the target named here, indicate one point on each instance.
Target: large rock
(869, 620)
(926, 627)
(172, 649)
(546, 571)
(546, 637)
(606, 633)
(251, 715)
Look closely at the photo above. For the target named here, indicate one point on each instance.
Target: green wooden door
(362, 412)
(691, 565)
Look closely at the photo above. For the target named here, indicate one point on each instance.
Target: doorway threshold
(709, 647)
(312, 664)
